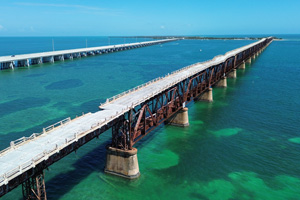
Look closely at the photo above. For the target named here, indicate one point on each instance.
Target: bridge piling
(206, 96)
(123, 163)
(248, 61)
(36, 61)
(222, 82)
(242, 65)
(232, 74)
(181, 118)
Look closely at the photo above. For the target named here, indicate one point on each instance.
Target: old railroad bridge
(130, 115)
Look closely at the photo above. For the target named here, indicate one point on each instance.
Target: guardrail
(4, 178)
(14, 144)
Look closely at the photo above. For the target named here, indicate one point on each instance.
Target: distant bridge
(25, 60)
(131, 115)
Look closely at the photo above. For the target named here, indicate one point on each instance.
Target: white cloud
(162, 27)
(1, 27)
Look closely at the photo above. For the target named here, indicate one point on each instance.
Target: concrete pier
(59, 58)
(7, 65)
(36, 61)
(206, 96)
(181, 118)
(23, 63)
(76, 55)
(222, 82)
(248, 61)
(49, 59)
(242, 66)
(122, 163)
(232, 74)
(68, 57)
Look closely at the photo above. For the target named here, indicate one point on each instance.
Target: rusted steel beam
(34, 188)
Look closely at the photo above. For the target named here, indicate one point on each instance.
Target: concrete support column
(181, 118)
(23, 63)
(59, 58)
(8, 65)
(248, 61)
(206, 96)
(48, 59)
(91, 53)
(68, 56)
(36, 61)
(232, 74)
(253, 57)
(242, 66)
(222, 82)
(76, 55)
(122, 163)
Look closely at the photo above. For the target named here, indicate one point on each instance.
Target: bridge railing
(145, 84)
(17, 142)
(169, 74)
(45, 155)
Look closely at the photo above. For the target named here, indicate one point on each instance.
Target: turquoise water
(244, 145)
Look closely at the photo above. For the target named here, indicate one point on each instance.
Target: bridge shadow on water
(93, 161)
(62, 183)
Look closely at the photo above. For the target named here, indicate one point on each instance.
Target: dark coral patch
(63, 85)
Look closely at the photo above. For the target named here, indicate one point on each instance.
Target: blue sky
(132, 17)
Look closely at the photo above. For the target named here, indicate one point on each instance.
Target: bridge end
(122, 163)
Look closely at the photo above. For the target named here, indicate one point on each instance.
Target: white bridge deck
(27, 152)
(94, 50)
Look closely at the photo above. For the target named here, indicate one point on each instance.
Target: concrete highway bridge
(25, 60)
(130, 115)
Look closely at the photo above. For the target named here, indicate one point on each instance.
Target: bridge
(130, 115)
(25, 60)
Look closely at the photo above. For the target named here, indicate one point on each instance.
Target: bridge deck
(4, 59)
(30, 151)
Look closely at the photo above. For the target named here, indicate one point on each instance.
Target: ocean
(243, 145)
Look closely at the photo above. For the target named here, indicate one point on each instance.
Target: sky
(155, 17)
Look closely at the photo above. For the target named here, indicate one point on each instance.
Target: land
(199, 37)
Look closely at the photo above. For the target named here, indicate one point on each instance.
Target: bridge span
(130, 115)
(25, 60)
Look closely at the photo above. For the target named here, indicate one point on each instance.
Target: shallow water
(244, 145)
